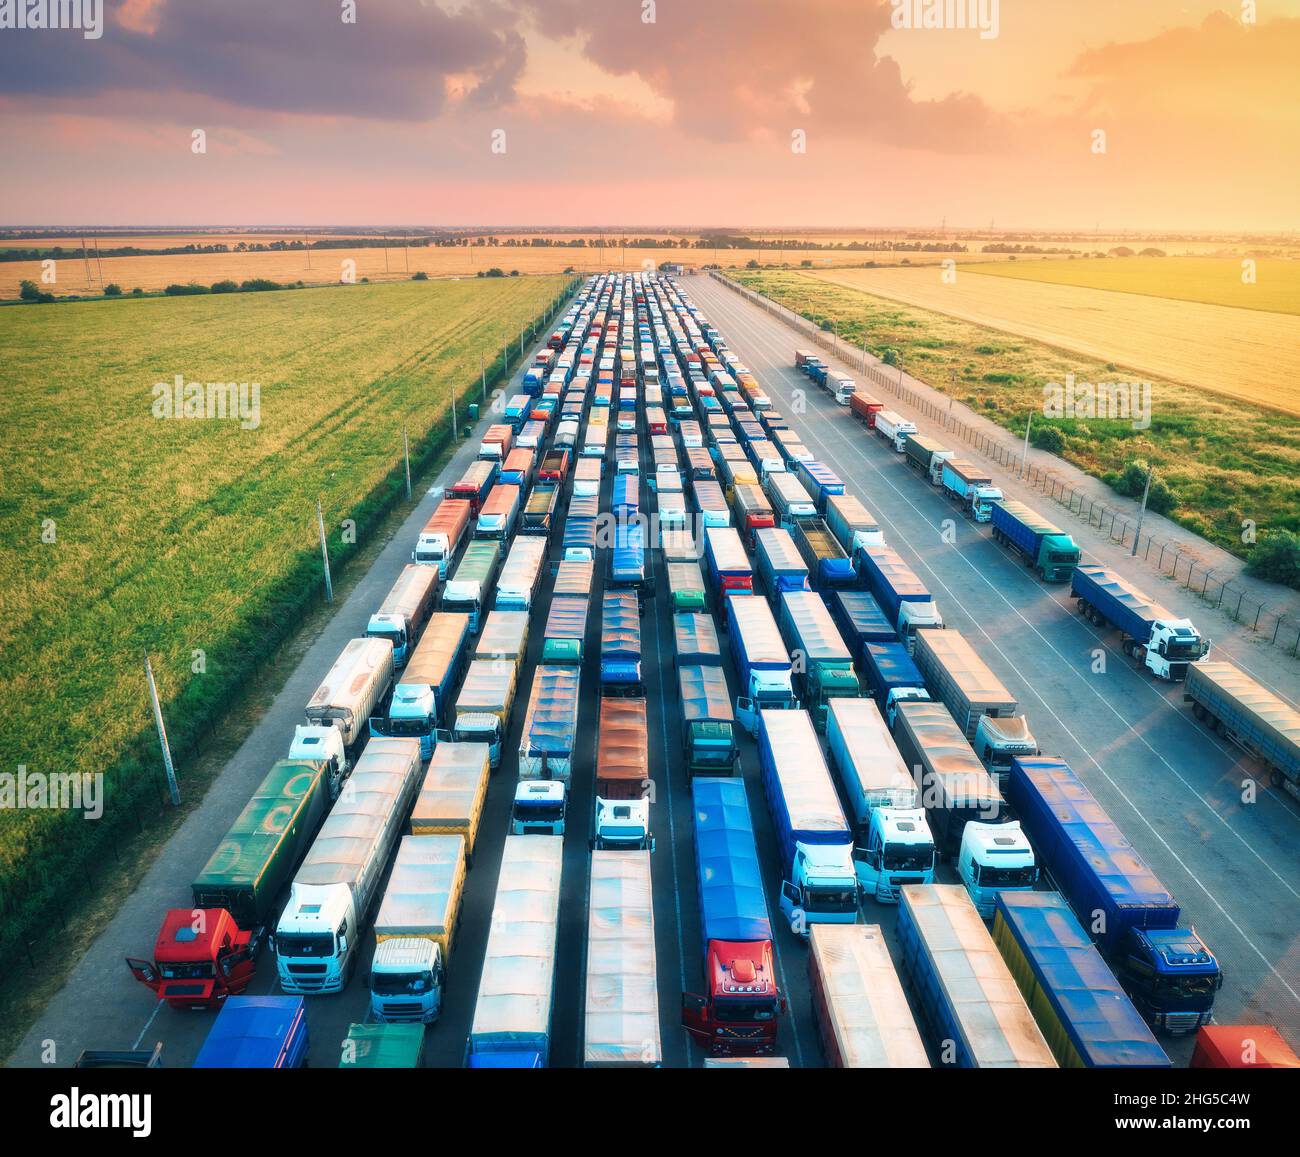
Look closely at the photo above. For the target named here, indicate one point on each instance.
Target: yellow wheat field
(1242, 353)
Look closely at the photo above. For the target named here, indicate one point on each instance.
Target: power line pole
(455, 430)
(1024, 457)
(406, 456)
(99, 264)
(168, 766)
(1146, 490)
(306, 244)
(324, 552)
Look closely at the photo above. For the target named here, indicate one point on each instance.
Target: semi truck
(865, 408)
(414, 928)
(984, 1024)
(623, 777)
(862, 1013)
(540, 510)
(686, 589)
(550, 732)
(355, 685)
(823, 666)
(840, 386)
(789, 499)
(521, 574)
(620, 646)
(539, 808)
(695, 640)
(927, 456)
(779, 564)
(1085, 1016)
(474, 485)
(955, 787)
(579, 541)
(1230, 702)
(829, 567)
(201, 959)
(860, 621)
(405, 610)
(565, 633)
(499, 514)
(995, 858)
(821, 482)
(1242, 1046)
(763, 664)
(1168, 971)
(893, 428)
(738, 1011)
(257, 1032)
(901, 595)
(892, 678)
(892, 842)
(819, 882)
(971, 487)
(517, 470)
(711, 504)
(319, 931)
(484, 706)
(728, 565)
(959, 679)
(511, 1028)
(554, 466)
(450, 800)
(1043, 545)
(442, 535)
(1150, 635)
(708, 722)
(420, 701)
(383, 1046)
(467, 592)
(504, 636)
(852, 524)
(497, 443)
(621, 1028)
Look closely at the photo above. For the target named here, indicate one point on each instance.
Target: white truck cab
(899, 695)
(312, 741)
(995, 858)
(407, 977)
(539, 808)
(982, 499)
(998, 740)
(318, 930)
(899, 850)
(824, 888)
(623, 824)
(411, 714)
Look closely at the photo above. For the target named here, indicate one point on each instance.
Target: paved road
(1174, 788)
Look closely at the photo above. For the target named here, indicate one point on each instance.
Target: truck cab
(824, 682)
(823, 889)
(995, 858)
(322, 745)
(623, 825)
(407, 977)
(897, 695)
(1171, 976)
(394, 629)
(1174, 644)
(738, 1014)
(999, 739)
(710, 747)
(200, 957)
(539, 808)
(1057, 557)
(315, 940)
(898, 850)
(981, 500)
(412, 713)
(477, 727)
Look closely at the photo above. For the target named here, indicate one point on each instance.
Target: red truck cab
(865, 407)
(200, 957)
(738, 1014)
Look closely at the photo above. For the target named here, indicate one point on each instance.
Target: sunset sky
(685, 121)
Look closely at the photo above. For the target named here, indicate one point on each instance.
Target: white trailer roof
(622, 1023)
(349, 679)
(875, 762)
(967, 670)
(518, 976)
(806, 785)
(423, 893)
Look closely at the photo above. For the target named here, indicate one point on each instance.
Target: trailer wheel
(1275, 778)
(1198, 712)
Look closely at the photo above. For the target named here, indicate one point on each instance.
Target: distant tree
(420, 275)
(1276, 558)
(495, 271)
(259, 285)
(751, 264)
(1152, 253)
(225, 287)
(514, 273)
(137, 292)
(112, 289)
(30, 291)
(187, 290)
(1132, 481)
(1048, 438)
(805, 264)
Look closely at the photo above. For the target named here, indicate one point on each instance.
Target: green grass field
(189, 536)
(1225, 460)
(1210, 280)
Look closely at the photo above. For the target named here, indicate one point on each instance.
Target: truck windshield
(1175, 988)
(729, 1010)
(831, 899)
(397, 638)
(908, 858)
(990, 877)
(410, 726)
(460, 606)
(401, 983)
(428, 556)
(293, 944)
(196, 970)
(539, 812)
(1183, 648)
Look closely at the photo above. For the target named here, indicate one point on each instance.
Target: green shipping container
(383, 1046)
(259, 853)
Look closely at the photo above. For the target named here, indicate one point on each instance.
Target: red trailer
(865, 407)
(1242, 1046)
(622, 757)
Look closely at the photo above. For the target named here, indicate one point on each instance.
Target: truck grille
(1179, 1022)
(402, 1012)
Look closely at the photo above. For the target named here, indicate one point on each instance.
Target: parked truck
(823, 667)
(779, 564)
(353, 688)
(686, 588)
(852, 524)
(860, 621)
(865, 408)
(901, 595)
(862, 1011)
(695, 640)
(504, 636)
(955, 786)
(821, 482)
(829, 567)
(201, 958)
(442, 535)
(499, 514)
(763, 664)
(539, 808)
(959, 679)
(620, 646)
(383, 1046)
(708, 721)
(1044, 546)
(564, 635)
(994, 859)
(840, 386)
(521, 574)
(450, 800)
(484, 706)
(516, 989)
(497, 443)
(550, 732)
(517, 470)
(944, 945)
(257, 1032)
(729, 570)
(540, 516)
(789, 499)
(467, 592)
(1168, 971)
(892, 678)
(893, 428)
(971, 487)
(319, 931)
(414, 928)
(892, 842)
(1085, 1016)
(1150, 635)
(473, 486)
(1230, 702)
(405, 610)
(621, 1027)
(421, 700)
(926, 455)
(738, 1011)
(753, 512)
(554, 466)
(819, 882)
(623, 777)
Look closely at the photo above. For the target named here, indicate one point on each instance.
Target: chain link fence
(1170, 558)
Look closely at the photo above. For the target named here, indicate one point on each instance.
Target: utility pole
(406, 456)
(455, 429)
(306, 244)
(1142, 512)
(482, 367)
(1024, 457)
(324, 552)
(168, 766)
(99, 265)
